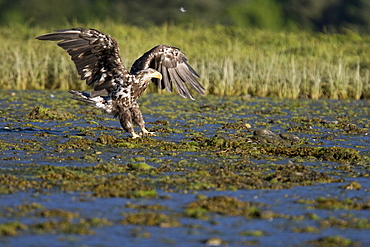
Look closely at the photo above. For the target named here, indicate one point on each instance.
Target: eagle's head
(147, 74)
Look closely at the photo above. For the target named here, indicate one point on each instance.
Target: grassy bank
(231, 61)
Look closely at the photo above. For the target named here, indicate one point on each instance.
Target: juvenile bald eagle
(115, 89)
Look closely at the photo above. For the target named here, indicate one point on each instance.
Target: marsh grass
(230, 61)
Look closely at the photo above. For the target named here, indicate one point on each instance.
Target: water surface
(71, 177)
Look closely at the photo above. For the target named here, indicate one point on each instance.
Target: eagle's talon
(145, 132)
(134, 135)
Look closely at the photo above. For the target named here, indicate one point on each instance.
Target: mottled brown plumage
(97, 59)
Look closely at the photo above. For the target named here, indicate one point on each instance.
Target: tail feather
(100, 102)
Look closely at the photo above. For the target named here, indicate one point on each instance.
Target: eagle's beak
(157, 75)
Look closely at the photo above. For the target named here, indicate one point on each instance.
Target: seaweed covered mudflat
(222, 171)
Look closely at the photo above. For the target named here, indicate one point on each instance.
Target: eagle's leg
(126, 121)
(138, 119)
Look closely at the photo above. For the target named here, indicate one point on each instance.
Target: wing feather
(187, 75)
(166, 80)
(172, 64)
(182, 89)
(95, 55)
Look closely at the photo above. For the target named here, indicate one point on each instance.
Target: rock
(266, 136)
(289, 137)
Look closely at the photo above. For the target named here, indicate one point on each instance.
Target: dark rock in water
(289, 137)
(263, 132)
(266, 136)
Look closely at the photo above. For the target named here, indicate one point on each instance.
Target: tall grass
(230, 61)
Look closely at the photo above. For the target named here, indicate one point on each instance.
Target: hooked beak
(157, 75)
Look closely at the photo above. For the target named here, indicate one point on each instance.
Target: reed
(230, 61)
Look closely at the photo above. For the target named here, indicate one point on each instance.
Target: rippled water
(321, 123)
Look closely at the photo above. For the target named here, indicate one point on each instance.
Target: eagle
(115, 89)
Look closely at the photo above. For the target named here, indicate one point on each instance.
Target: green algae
(333, 241)
(334, 204)
(139, 166)
(22, 210)
(307, 229)
(82, 226)
(123, 186)
(43, 113)
(345, 221)
(12, 184)
(153, 207)
(150, 219)
(321, 153)
(83, 180)
(239, 176)
(12, 228)
(144, 193)
(103, 181)
(244, 146)
(297, 174)
(56, 220)
(255, 233)
(224, 205)
(352, 186)
(27, 145)
(75, 143)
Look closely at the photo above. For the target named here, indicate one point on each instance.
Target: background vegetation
(280, 48)
(312, 15)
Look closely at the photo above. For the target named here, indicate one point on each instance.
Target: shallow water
(204, 149)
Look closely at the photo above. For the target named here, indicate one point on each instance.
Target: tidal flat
(221, 171)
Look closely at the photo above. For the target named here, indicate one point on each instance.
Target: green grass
(230, 61)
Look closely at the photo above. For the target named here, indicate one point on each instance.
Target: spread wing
(172, 64)
(95, 55)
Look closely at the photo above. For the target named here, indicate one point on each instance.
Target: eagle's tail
(100, 102)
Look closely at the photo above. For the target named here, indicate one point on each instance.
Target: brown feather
(93, 53)
(172, 63)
